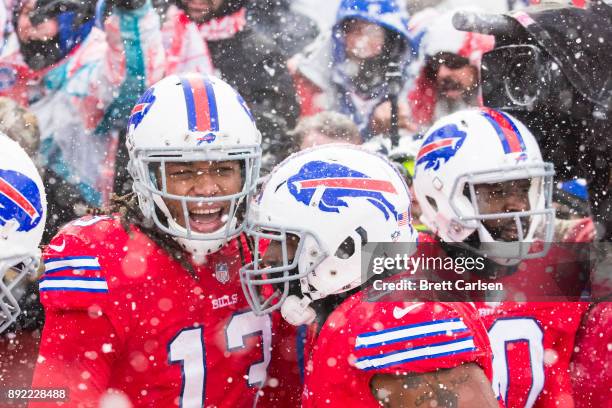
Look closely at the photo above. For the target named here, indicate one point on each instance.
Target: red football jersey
(532, 344)
(361, 339)
(559, 276)
(592, 360)
(124, 315)
(531, 341)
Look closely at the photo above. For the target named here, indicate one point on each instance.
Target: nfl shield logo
(222, 273)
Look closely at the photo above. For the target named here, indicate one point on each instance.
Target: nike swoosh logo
(398, 312)
(58, 248)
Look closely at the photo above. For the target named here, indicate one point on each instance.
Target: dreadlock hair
(129, 211)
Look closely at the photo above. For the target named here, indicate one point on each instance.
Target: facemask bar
(254, 278)
(145, 184)
(519, 248)
(9, 304)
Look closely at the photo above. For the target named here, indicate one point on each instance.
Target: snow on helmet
(191, 118)
(482, 146)
(335, 199)
(23, 212)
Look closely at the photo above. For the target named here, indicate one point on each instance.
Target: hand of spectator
(380, 123)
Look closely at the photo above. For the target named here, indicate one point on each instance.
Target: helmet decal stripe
(515, 129)
(510, 138)
(201, 104)
(354, 183)
(191, 118)
(440, 144)
(212, 106)
(15, 196)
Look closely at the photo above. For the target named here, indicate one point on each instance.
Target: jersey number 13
(187, 348)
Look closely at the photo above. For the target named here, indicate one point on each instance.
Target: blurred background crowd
(311, 72)
(375, 72)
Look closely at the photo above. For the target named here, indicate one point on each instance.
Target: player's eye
(181, 173)
(224, 171)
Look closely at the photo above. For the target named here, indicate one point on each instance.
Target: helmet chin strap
(297, 311)
(199, 249)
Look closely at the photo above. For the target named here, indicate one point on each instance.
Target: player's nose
(516, 202)
(205, 185)
(273, 255)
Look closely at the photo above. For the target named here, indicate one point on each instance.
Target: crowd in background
(312, 72)
(73, 69)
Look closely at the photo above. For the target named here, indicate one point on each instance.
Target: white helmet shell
(23, 212)
(473, 147)
(190, 118)
(335, 198)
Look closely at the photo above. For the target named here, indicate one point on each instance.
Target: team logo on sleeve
(440, 146)
(19, 200)
(142, 108)
(332, 184)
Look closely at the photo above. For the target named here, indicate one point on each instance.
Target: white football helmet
(483, 146)
(191, 118)
(335, 199)
(23, 212)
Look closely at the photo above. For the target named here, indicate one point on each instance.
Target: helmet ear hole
(466, 191)
(363, 234)
(346, 249)
(432, 202)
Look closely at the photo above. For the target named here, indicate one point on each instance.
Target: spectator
(345, 70)
(449, 78)
(321, 11)
(323, 128)
(20, 125)
(290, 30)
(573, 221)
(571, 199)
(564, 85)
(215, 37)
(78, 80)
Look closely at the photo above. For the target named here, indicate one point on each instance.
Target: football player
(23, 211)
(143, 306)
(486, 192)
(316, 211)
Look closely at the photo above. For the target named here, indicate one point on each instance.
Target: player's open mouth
(206, 220)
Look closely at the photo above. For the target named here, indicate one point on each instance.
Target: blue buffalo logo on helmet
(141, 108)
(207, 138)
(339, 183)
(19, 200)
(441, 145)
